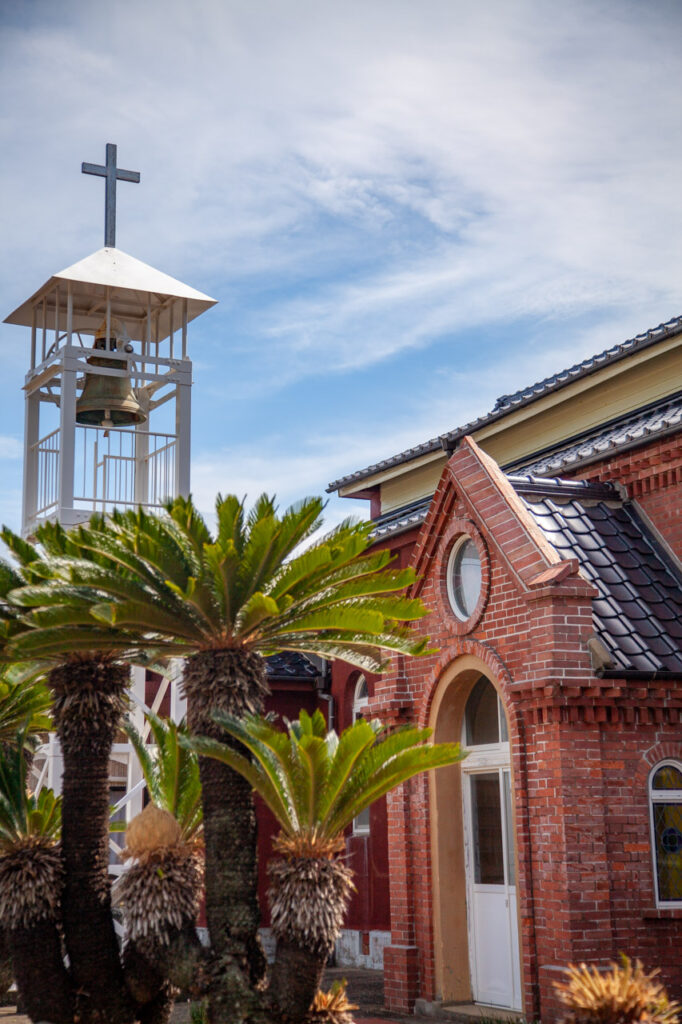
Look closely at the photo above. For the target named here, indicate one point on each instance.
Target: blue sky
(405, 209)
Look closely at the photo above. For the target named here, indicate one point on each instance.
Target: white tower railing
(75, 469)
(113, 468)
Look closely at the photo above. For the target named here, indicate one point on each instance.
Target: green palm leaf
(171, 772)
(22, 815)
(164, 580)
(316, 782)
(24, 704)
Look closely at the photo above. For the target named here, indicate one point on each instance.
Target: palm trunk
(308, 898)
(160, 1009)
(294, 979)
(155, 971)
(42, 980)
(89, 699)
(5, 965)
(232, 681)
(31, 879)
(149, 986)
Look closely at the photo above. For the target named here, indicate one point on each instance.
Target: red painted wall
(367, 854)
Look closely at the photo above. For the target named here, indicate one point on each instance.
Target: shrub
(625, 994)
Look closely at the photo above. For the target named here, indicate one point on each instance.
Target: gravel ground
(365, 988)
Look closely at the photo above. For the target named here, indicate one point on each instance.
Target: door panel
(493, 928)
(493, 981)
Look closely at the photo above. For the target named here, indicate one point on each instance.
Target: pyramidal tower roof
(133, 286)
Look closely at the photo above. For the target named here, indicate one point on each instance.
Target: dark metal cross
(111, 172)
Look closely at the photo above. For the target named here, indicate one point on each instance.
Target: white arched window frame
(360, 702)
(665, 814)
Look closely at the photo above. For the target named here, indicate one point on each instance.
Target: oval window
(464, 578)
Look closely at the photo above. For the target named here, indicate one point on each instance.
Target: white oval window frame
(460, 614)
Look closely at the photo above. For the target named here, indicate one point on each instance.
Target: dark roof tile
(638, 611)
(291, 665)
(399, 520)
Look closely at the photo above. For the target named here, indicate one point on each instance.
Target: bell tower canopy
(150, 303)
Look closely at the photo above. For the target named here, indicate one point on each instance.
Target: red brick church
(547, 536)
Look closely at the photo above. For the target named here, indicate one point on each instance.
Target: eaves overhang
(506, 406)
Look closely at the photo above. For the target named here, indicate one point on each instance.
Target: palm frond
(165, 579)
(23, 816)
(316, 782)
(24, 704)
(171, 772)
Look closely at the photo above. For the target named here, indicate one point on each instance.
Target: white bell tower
(104, 432)
(108, 402)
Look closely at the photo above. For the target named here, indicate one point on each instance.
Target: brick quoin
(582, 747)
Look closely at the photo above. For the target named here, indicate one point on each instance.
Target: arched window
(665, 800)
(360, 698)
(360, 702)
(484, 718)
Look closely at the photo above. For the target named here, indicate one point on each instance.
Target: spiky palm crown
(625, 994)
(308, 898)
(316, 782)
(171, 583)
(171, 772)
(160, 894)
(161, 886)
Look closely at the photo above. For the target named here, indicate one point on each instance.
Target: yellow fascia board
(380, 477)
(608, 393)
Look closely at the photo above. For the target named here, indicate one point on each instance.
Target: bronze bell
(107, 401)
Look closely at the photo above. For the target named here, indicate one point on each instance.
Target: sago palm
(47, 623)
(161, 888)
(225, 601)
(315, 783)
(30, 886)
(24, 707)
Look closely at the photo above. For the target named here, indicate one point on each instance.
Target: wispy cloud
(479, 190)
(10, 447)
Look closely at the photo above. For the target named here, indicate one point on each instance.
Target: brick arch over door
(446, 705)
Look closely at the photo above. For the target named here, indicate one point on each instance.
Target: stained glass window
(666, 828)
(667, 777)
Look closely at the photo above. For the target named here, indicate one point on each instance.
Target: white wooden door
(491, 888)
